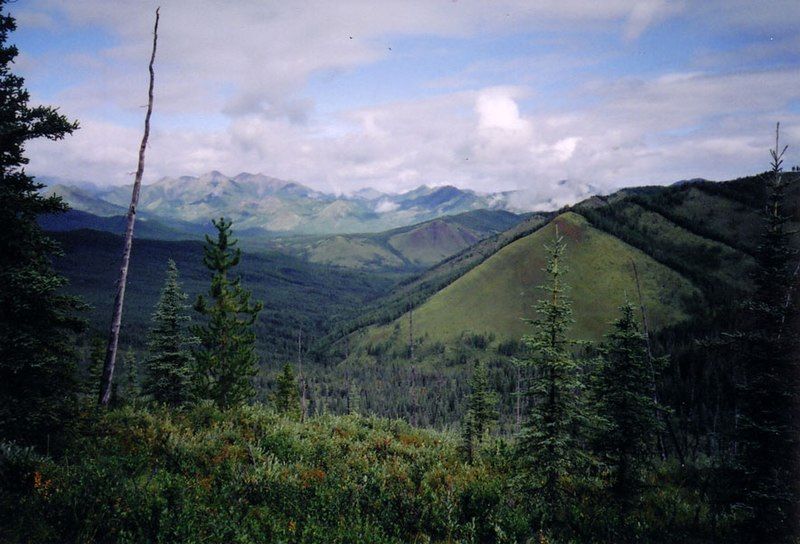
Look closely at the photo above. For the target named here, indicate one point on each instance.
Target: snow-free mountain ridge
(260, 202)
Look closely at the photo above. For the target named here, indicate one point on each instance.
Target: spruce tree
(550, 447)
(169, 364)
(623, 398)
(93, 367)
(287, 397)
(131, 367)
(225, 360)
(481, 411)
(768, 434)
(37, 322)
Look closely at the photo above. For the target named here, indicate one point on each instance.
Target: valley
(399, 272)
(459, 287)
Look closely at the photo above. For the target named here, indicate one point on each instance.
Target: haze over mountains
(262, 204)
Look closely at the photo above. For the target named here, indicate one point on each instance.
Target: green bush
(250, 475)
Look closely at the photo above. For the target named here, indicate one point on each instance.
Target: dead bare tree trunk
(116, 319)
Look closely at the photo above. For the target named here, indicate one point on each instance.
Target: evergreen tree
(623, 398)
(132, 389)
(287, 397)
(481, 411)
(550, 446)
(169, 364)
(93, 367)
(353, 397)
(226, 360)
(768, 434)
(37, 323)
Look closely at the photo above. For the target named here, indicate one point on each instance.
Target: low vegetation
(591, 418)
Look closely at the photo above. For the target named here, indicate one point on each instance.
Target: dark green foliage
(130, 366)
(296, 294)
(37, 359)
(481, 411)
(768, 445)
(169, 364)
(287, 397)
(226, 359)
(550, 442)
(93, 367)
(624, 400)
(250, 475)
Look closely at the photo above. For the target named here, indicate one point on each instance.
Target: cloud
(236, 92)
(641, 131)
(497, 109)
(648, 12)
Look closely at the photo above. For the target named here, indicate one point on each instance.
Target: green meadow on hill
(497, 296)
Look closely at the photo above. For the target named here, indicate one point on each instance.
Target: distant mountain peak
(258, 201)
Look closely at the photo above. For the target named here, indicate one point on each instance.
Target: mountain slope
(82, 200)
(403, 249)
(145, 228)
(256, 201)
(701, 232)
(496, 296)
(413, 247)
(298, 296)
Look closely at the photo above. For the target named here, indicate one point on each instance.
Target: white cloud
(231, 95)
(497, 109)
(385, 206)
(648, 12)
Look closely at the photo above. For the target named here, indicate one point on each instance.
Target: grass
(496, 296)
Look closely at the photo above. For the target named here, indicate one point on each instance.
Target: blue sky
(508, 94)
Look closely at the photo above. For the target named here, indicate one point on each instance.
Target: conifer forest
(611, 358)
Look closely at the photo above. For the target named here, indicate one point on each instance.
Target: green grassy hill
(495, 297)
(692, 244)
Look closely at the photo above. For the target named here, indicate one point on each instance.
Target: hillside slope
(496, 296)
(403, 249)
(298, 296)
(414, 247)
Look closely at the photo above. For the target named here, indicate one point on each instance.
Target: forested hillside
(299, 297)
(692, 245)
(625, 369)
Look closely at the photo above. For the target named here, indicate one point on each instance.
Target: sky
(558, 98)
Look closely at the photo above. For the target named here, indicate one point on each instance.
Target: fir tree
(768, 434)
(623, 398)
(169, 365)
(287, 397)
(353, 397)
(93, 367)
(226, 360)
(481, 411)
(550, 446)
(132, 390)
(37, 323)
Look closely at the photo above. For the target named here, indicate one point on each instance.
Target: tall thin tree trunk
(116, 319)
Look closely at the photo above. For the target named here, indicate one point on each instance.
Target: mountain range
(265, 206)
(467, 282)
